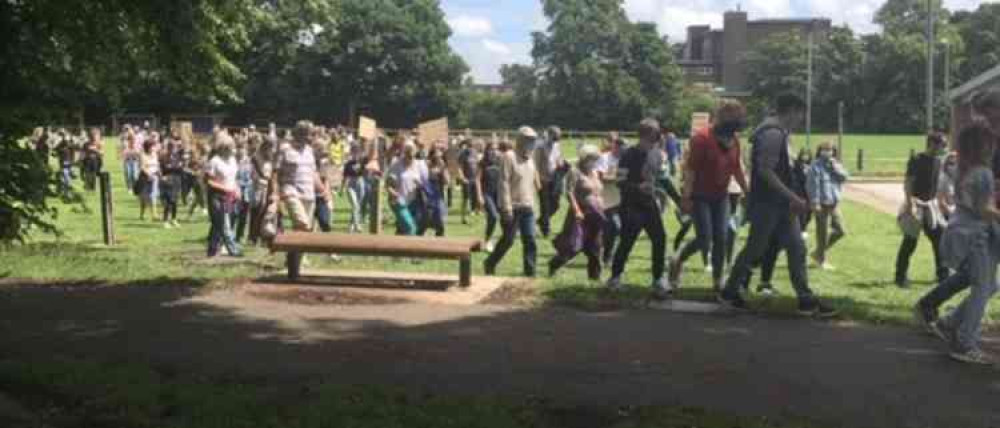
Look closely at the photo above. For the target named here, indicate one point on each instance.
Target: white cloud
(470, 26)
(496, 47)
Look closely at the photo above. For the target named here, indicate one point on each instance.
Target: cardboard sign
(700, 121)
(184, 129)
(433, 132)
(367, 128)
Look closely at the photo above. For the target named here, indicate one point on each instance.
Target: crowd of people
(250, 183)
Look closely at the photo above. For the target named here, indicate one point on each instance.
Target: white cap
(527, 132)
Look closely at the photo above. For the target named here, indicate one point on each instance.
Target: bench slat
(396, 246)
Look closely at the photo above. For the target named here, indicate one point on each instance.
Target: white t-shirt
(297, 172)
(224, 171)
(407, 181)
(607, 165)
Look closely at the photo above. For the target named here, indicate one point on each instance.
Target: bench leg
(465, 272)
(294, 262)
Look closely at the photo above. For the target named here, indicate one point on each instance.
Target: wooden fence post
(107, 209)
(861, 159)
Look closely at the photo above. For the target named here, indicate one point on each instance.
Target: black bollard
(861, 159)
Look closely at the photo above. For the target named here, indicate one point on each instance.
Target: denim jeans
(945, 290)
(356, 198)
(66, 179)
(612, 229)
(222, 229)
(523, 220)
(771, 227)
(131, 173)
(979, 272)
(492, 214)
(434, 217)
(634, 221)
(324, 216)
(711, 226)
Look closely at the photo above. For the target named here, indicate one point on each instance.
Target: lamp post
(930, 65)
(809, 86)
(947, 70)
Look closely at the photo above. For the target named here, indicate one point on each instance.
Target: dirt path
(885, 197)
(840, 375)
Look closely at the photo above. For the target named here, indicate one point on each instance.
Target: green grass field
(148, 254)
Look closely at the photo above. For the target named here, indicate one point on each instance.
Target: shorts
(301, 212)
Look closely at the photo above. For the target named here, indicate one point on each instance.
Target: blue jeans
(131, 173)
(324, 216)
(356, 197)
(66, 179)
(523, 220)
(711, 226)
(979, 273)
(222, 229)
(434, 217)
(492, 214)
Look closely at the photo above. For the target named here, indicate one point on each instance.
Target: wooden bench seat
(298, 243)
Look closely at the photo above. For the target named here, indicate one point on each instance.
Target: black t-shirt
(467, 161)
(355, 168)
(632, 163)
(923, 169)
(491, 176)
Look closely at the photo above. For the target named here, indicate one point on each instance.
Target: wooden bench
(298, 243)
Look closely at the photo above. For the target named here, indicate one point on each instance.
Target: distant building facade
(716, 56)
(961, 99)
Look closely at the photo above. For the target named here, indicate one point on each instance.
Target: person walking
(773, 206)
(356, 186)
(263, 165)
(296, 177)
(149, 178)
(585, 221)
(223, 194)
(607, 169)
(172, 165)
(435, 205)
(825, 181)
(970, 246)
(468, 166)
(987, 106)
(638, 172)
(406, 179)
(489, 178)
(714, 160)
(519, 183)
(93, 159)
(551, 168)
(920, 208)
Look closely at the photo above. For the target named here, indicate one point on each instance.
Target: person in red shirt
(713, 160)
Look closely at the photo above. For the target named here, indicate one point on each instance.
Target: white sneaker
(805, 236)
(614, 283)
(490, 245)
(334, 258)
(662, 288)
(708, 269)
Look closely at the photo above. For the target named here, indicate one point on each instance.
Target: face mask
(826, 153)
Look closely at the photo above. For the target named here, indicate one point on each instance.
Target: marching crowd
(248, 181)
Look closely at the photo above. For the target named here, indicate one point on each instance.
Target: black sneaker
(925, 318)
(490, 270)
(813, 307)
(943, 332)
(733, 301)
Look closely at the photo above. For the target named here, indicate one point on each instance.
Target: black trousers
(634, 221)
(909, 246)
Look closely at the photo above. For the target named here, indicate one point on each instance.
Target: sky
(490, 33)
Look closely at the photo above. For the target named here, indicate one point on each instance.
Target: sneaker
(805, 236)
(813, 307)
(827, 267)
(614, 283)
(335, 258)
(902, 282)
(943, 332)
(708, 269)
(973, 356)
(489, 270)
(925, 318)
(176, 223)
(167, 225)
(662, 288)
(767, 290)
(733, 301)
(490, 245)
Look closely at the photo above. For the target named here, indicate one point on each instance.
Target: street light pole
(809, 87)
(930, 65)
(947, 71)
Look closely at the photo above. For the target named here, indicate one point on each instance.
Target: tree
(980, 32)
(777, 65)
(838, 72)
(57, 54)
(613, 70)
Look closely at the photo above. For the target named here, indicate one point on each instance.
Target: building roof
(788, 21)
(961, 93)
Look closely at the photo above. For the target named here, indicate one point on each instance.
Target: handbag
(908, 223)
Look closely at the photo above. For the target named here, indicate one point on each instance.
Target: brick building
(715, 56)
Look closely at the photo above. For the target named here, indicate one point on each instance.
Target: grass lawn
(149, 254)
(66, 393)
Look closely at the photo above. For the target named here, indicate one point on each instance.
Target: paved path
(840, 375)
(883, 196)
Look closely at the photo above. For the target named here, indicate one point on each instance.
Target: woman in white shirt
(407, 176)
(224, 192)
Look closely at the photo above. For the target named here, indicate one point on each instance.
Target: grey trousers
(769, 222)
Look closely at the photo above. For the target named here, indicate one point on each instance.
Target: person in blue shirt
(674, 150)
